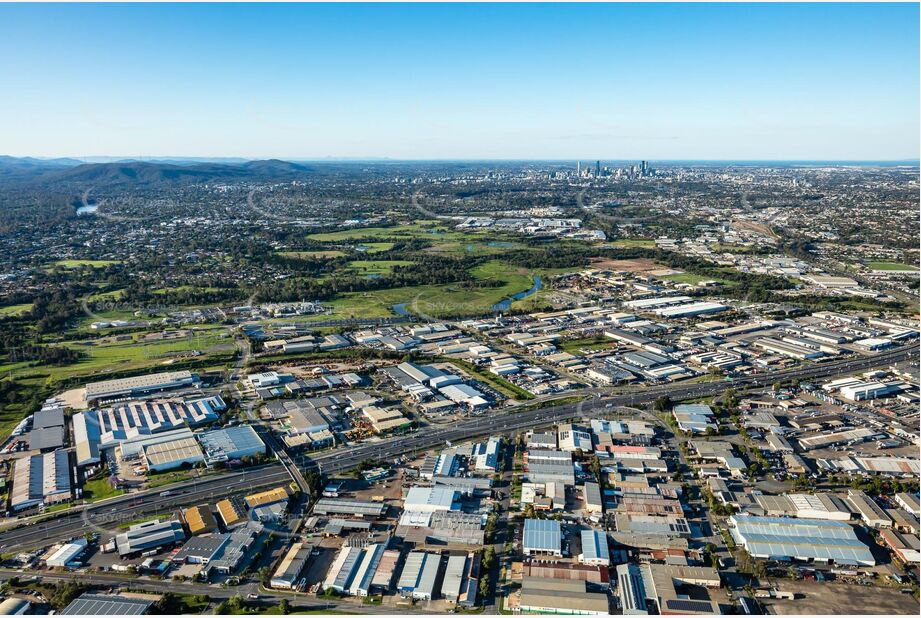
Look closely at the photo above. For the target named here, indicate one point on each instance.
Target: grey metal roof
(781, 537)
(542, 535)
(88, 604)
(227, 443)
(594, 545)
(148, 535)
(46, 438)
(337, 506)
(48, 417)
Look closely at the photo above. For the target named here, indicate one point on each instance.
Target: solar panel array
(689, 605)
(106, 605)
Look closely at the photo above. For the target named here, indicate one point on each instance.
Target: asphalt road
(108, 515)
(344, 458)
(135, 506)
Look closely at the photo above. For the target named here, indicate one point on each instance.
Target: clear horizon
(417, 82)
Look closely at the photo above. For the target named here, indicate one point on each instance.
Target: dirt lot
(631, 266)
(831, 598)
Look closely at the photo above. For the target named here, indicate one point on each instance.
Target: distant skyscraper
(578, 168)
(645, 168)
(597, 169)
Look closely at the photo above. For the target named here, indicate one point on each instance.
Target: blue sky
(558, 81)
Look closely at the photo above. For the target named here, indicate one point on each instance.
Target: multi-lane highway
(347, 457)
(109, 514)
(343, 458)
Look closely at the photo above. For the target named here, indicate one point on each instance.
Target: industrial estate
(426, 309)
(576, 388)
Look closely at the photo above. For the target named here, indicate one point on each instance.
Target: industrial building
(542, 537)
(421, 382)
(124, 388)
(67, 555)
(343, 506)
(119, 604)
(460, 582)
(543, 595)
(14, 606)
(173, 453)
(41, 480)
(663, 582)
(291, 567)
(807, 540)
(270, 496)
(547, 466)
(420, 575)
(199, 519)
(595, 548)
(694, 417)
(231, 512)
(486, 454)
(149, 535)
(805, 506)
(594, 503)
(871, 513)
(99, 430)
(353, 569)
(630, 590)
(222, 445)
(451, 527)
(429, 499)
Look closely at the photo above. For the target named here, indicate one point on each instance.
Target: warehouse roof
(222, 444)
(542, 535)
(269, 496)
(174, 451)
(125, 385)
(200, 519)
(439, 497)
(48, 417)
(594, 546)
(231, 512)
(818, 539)
(331, 506)
(46, 438)
(89, 604)
(149, 535)
(544, 594)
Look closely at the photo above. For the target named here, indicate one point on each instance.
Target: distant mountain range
(29, 170)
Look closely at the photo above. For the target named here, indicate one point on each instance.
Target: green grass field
(102, 296)
(891, 266)
(99, 489)
(633, 243)
(445, 300)
(102, 357)
(72, 264)
(420, 229)
(332, 253)
(574, 346)
(379, 268)
(690, 278)
(375, 247)
(184, 288)
(15, 310)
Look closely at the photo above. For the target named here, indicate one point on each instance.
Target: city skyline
(836, 82)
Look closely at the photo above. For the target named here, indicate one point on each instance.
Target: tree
(662, 404)
(730, 399)
(595, 468)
